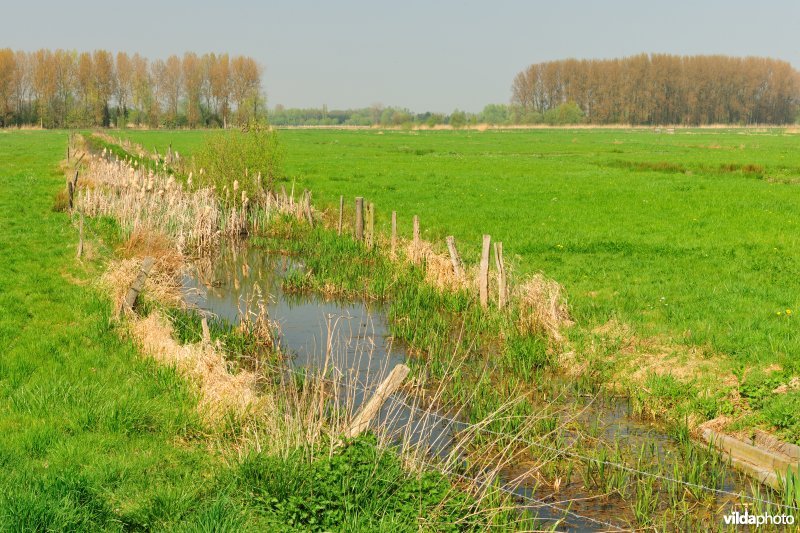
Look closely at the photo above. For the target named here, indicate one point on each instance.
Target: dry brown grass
(542, 308)
(438, 268)
(220, 391)
(141, 200)
(164, 284)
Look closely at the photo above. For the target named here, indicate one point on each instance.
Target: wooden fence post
(483, 279)
(307, 202)
(138, 284)
(206, 331)
(359, 218)
(394, 233)
(284, 198)
(80, 236)
(361, 421)
(455, 259)
(71, 193)
(502, 289)
(416, 231)
(341, 212)
(370, 240)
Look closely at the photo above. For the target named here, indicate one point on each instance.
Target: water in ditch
(363, 352)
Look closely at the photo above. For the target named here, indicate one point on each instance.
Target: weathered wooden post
(359, 218)
(80, 236)
(361, 421)
(370, 240)
(502, 288)
(284, 198)
(138, 284)
(455, 259)
(206, 331)
(341, 212)
(483, 277)
(394, 234)
(71, 193)
(307, 202)
(416, 231)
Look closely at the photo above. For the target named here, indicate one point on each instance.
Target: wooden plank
(361, 421)
(359, 218)
(455, 259)
(138, 284)
(764, 465)
(394, 234)
(483, 276)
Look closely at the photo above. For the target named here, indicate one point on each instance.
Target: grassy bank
(503, 360)
(97, 437)
(677, 252)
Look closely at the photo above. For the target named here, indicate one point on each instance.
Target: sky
(423, 55)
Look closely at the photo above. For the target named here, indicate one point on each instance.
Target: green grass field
(693, 236)
(96, 437)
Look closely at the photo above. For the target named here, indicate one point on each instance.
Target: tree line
(66, 88)
(378, 115)
(661, 89)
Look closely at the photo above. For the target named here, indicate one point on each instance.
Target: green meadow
(693, 237)
(96, 437)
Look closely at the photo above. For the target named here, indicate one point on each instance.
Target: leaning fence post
(361, 421)
(370, 240)
(502, 290)
(80, 236)
(394, 233)
(455, 259)
(483, 279)
(341, 211)
(359, 218)
(138, 284)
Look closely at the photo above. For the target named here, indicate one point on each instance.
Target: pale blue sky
(434, 55)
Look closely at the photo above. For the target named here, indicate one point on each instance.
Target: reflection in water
(362, 353)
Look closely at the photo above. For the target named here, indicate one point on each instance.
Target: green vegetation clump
(358, 488)
(252, 156)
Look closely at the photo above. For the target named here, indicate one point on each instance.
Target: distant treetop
(662, 89)
(65, 88)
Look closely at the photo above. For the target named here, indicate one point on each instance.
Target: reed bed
(195, 218)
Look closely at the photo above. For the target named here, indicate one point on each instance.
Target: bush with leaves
(252, 156)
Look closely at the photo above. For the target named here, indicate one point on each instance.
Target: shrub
(253, 156)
